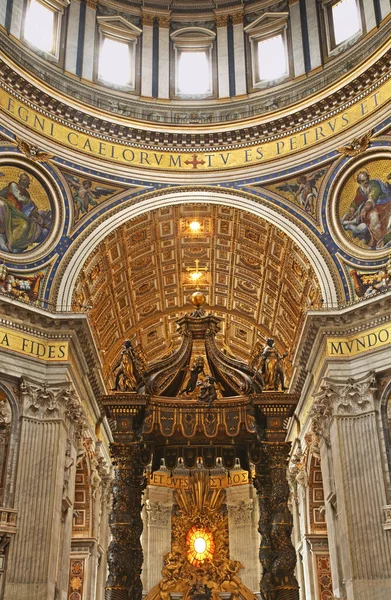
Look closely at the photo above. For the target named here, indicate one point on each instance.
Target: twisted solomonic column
(125, 555)
(277, 554)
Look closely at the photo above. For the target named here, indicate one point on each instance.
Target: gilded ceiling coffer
(165, 421)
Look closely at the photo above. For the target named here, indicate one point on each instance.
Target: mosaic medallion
(362, 207)
(26, 209)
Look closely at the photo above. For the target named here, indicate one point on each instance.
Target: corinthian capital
(342, 399)
(46, 402)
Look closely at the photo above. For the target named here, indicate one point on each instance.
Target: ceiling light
(195, 275)
(195, 226)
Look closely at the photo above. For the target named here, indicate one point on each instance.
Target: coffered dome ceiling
(137, 285)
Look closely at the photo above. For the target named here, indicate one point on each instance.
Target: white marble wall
(89, 43)
(156, 537)
(369, 15)
(72, 37)
(385, 8)
(244, 539)
(17, 18)
(222, 62)
(3, 10)
(313, 34)
(146, 63)
(240, 59)
(297, 40)
(164, 62)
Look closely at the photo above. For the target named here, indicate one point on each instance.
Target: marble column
(222, 56)
(44, 492)
(239, 54)
(147, 55)
(277, 554)
(243, 537)
(164, 57)
(345, 416)
(89, 40)
(125, 555)
(71, 43)
(297, 38)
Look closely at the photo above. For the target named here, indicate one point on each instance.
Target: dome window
(272, 58)
(42, 25)
(117, 52)
(193, 58)
(343, 24)
(268, 49)
(346, 20)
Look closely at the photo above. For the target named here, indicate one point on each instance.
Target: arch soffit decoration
(326, 272)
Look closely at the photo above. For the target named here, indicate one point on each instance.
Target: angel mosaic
(304, 190)
(25, 211)
(366, 212)
(85, 194)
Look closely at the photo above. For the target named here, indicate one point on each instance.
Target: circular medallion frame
(359, 215)
(31, 211)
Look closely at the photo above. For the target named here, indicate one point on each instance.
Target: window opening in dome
(39, 26)
(193, 73)
(272, 59)
(346, 20)
(114, 62)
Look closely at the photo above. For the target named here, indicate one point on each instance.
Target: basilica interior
(195, 300)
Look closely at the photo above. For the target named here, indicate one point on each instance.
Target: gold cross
(195, 273)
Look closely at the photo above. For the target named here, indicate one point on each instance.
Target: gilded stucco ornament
(357, 145)
(32, 152)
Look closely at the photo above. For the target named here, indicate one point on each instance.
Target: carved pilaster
(125, 555)
(277, 554)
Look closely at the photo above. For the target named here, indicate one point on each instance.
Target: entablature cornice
(340, 329)
(48, 327)
(283, 122)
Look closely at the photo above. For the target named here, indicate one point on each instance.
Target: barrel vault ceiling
(135, 284)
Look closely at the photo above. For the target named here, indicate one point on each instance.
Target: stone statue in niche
(267, 362)
(25, 211)
(129, 369)
(68, 464)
